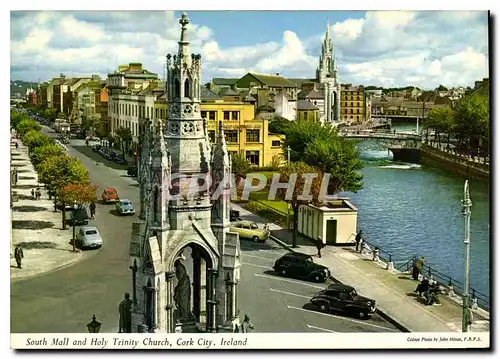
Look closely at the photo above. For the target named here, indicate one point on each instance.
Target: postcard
(236, 180)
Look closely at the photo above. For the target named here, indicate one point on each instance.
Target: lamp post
(288, 202)
(466, 203)
(75, 207)
(94, 326)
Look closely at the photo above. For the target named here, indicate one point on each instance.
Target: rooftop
(272, 80)
(306, 105)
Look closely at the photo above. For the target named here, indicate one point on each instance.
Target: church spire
(183, 42)
(221, 180)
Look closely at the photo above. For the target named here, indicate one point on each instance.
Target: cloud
(389, 48)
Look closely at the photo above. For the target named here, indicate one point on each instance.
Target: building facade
(175, 225)
(353, 104)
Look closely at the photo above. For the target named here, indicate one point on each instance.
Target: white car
(89, 237)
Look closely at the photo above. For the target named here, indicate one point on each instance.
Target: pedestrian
(19, 255)
(38, 193)
(417, 267)
(376, 254)
(247, 325)
(422, 287)
(17, 145)
(92, 209)
(33, 193)
(319, 245)
(358, 240)
(470, 319)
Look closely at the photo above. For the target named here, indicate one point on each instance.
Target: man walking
(319, 245)
(358, 240)
(92, 209)
(247, 325)
(33, 193)
(417, 268)
(19, 255)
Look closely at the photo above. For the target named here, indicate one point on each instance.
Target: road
(64, 301)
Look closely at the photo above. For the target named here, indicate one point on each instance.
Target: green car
(124, 206)
(250, 230)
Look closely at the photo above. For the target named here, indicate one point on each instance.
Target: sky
(382, 48)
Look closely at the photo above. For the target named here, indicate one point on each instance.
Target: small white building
(335, 222)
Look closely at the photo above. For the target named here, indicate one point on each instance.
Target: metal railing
(383, 255)
(483, 300)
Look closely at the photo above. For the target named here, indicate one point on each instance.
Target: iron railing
(383, 255)
(483, 300)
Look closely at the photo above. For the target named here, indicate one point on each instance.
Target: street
(65, 300)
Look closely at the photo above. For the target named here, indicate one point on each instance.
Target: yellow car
(250, 230)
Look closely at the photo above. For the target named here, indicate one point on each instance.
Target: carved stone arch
(210, 257)
(149, 304)
(187, 88)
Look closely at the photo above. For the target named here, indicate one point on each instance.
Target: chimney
(277, 73)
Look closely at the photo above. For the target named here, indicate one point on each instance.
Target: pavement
(64, 301)
(35, 225)
(393, 290)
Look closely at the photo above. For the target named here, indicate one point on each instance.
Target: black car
(301, 266)
(78, 216)
(132, 171)
(120, 159)
(96, 148)
(234, 215)
(341, 297)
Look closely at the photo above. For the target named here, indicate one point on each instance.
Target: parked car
(96, 148)
(78, 216)
(250, 230)
(110, 195)
(120, 159)
(132, 171)
(341, 297)
(124, 206)
(89, 237)
(301, 266)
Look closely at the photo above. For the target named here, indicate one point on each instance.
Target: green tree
(33, 139)
(279, 125)
(125, 136)
(441, 121)
(441, 88)
(56, 172)
(16, 117)
(472, 122)
(27, 125)
(239, 165)
(42, 152)
(50, 114)
(299, 196)
(320, 146)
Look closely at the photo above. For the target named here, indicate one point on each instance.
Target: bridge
(401, 117)
(368, 135)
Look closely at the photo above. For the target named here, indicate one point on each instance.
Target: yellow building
(352, 103)
(307, 111)
(244, 133)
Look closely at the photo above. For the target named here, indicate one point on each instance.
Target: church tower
(327, 74)
(177, 228)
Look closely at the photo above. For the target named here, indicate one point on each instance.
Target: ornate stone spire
(183, 42)
(221, 180)
(220, 156)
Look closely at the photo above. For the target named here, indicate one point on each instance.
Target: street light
(467, 204)
(288, 202)
(94, 326)
(75, 207)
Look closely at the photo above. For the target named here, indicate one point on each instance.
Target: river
(418, 212)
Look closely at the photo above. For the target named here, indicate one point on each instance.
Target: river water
(417, 212)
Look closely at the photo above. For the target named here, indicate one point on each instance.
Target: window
(211, 115)
(203, 114)
(187, 88)
(177, 89)
(226, 115)
(253, 136)
(276, 143)
(253, 157)
(357, 117)
(211, 135)
(231, 136)
(351, 104)
(156, 113)
(235, 115)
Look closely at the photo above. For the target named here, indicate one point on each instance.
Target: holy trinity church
(185, 263)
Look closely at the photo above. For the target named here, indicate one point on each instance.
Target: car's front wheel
(318, 278)
(323, 307)
(255, 239)
(284, 273)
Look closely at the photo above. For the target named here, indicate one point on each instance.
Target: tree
(42, 152)
(33, 139)
(472, 122)
(16, 117)
(319, 146)
(125, 136)
(50, 114)
(340, 159)
(441, 88)
(298, 197)
(78, 193)
(441, 120)
(279, 125)
(239, 165)
(56, 172)
(27, 125)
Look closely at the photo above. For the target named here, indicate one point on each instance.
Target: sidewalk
(35, 225)
(393, 290)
